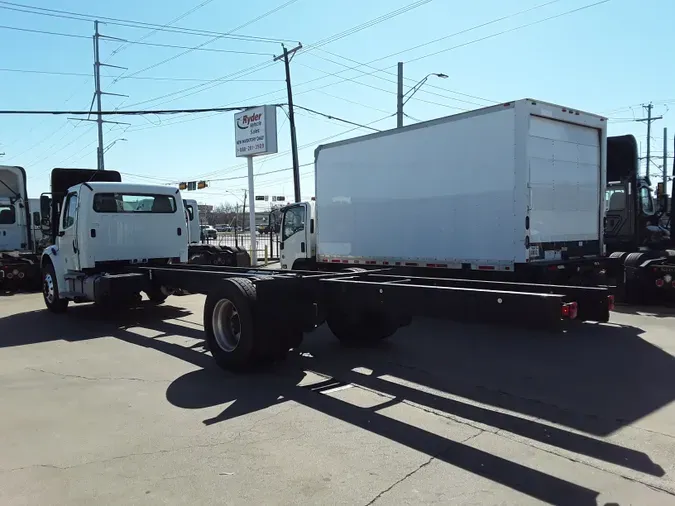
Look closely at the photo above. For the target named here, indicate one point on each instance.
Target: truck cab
(192, 217)
(101, 231)
(298, 237)
(631, 217)
(14, 213)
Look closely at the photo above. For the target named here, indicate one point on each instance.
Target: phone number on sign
(255, 147)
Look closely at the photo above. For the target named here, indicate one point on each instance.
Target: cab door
(294, 235)
(67, 236)
(10, 228)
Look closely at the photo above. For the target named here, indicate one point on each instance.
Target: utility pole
(664, 166)
(399, 97)
(243, 213)
(649, 119)
(287, 57)
(100, 165)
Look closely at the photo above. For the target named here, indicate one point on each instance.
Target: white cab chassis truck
(19, 263)
(106, 250)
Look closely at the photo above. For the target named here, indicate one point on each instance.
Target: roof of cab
(131, 188)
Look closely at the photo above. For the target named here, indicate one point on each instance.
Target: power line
(256, 68)
(336, 118)
(130, 112)
(218, 37)
(146, 78)
(56, 13)
(152, 32)
(510, 30)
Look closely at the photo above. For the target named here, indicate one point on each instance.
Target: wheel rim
(48, 288)
(226, 325)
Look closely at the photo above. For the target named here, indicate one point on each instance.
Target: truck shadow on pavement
(597, 380)
(594, 378)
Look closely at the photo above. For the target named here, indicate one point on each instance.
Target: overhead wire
(192, 90)
(145, 78)
(214, 39)
(57, 13)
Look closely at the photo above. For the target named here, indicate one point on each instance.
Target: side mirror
(45, 205)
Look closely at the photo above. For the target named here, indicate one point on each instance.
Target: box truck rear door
(564, 184)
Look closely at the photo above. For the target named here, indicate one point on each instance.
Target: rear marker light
(569, 310)
(610, 302)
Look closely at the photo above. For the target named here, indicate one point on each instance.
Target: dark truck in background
(638, 229)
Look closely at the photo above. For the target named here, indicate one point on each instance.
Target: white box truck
(516, 190)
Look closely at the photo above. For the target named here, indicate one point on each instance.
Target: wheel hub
(226, 325)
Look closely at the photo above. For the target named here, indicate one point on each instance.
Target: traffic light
(192, 186)
(201, 185)
(182, 186)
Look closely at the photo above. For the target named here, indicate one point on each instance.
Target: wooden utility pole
(287, 57)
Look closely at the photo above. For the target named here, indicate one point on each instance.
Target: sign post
(255, 134)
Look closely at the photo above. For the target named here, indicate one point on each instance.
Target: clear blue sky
(607, 59)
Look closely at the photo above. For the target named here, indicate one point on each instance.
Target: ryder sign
(255, 131)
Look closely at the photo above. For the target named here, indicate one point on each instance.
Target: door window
(70, 210)
(646, 200)
(7, 215)
(294, 221)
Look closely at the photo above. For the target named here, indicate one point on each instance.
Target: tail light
(610, 302)
(569, 310)
(660, 282)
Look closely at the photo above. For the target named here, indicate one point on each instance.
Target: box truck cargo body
(513, 184)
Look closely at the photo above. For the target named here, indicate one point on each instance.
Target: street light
(402, 100)
(105, 150)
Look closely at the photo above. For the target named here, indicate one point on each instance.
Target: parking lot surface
(128, 409)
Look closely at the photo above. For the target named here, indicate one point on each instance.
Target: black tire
(232, 307)
(50, 291)
(156, 295)
(362, 329)
(634, 259)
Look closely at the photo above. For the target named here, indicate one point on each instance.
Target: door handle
(302, 247)
(61, 233)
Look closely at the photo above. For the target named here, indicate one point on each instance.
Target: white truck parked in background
(514, 191)
(19, 266)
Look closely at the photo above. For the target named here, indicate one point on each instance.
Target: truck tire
(50, 291)
(233, 334)
(157, 295)
(361, 329)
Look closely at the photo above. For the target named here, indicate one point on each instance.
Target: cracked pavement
(128, 409)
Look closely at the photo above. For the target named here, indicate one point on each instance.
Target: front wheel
(50, 291)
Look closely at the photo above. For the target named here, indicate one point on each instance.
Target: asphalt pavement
(129, 409)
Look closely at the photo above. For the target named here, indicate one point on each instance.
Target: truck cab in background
(19, 266)
(632, 215)
(192, 217)
(298, 237)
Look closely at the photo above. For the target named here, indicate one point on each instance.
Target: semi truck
(641, 249)
(513, 192)
(19, 261)
(252, 316)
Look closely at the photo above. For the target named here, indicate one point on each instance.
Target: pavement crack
(92, 378)
(404, 478)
